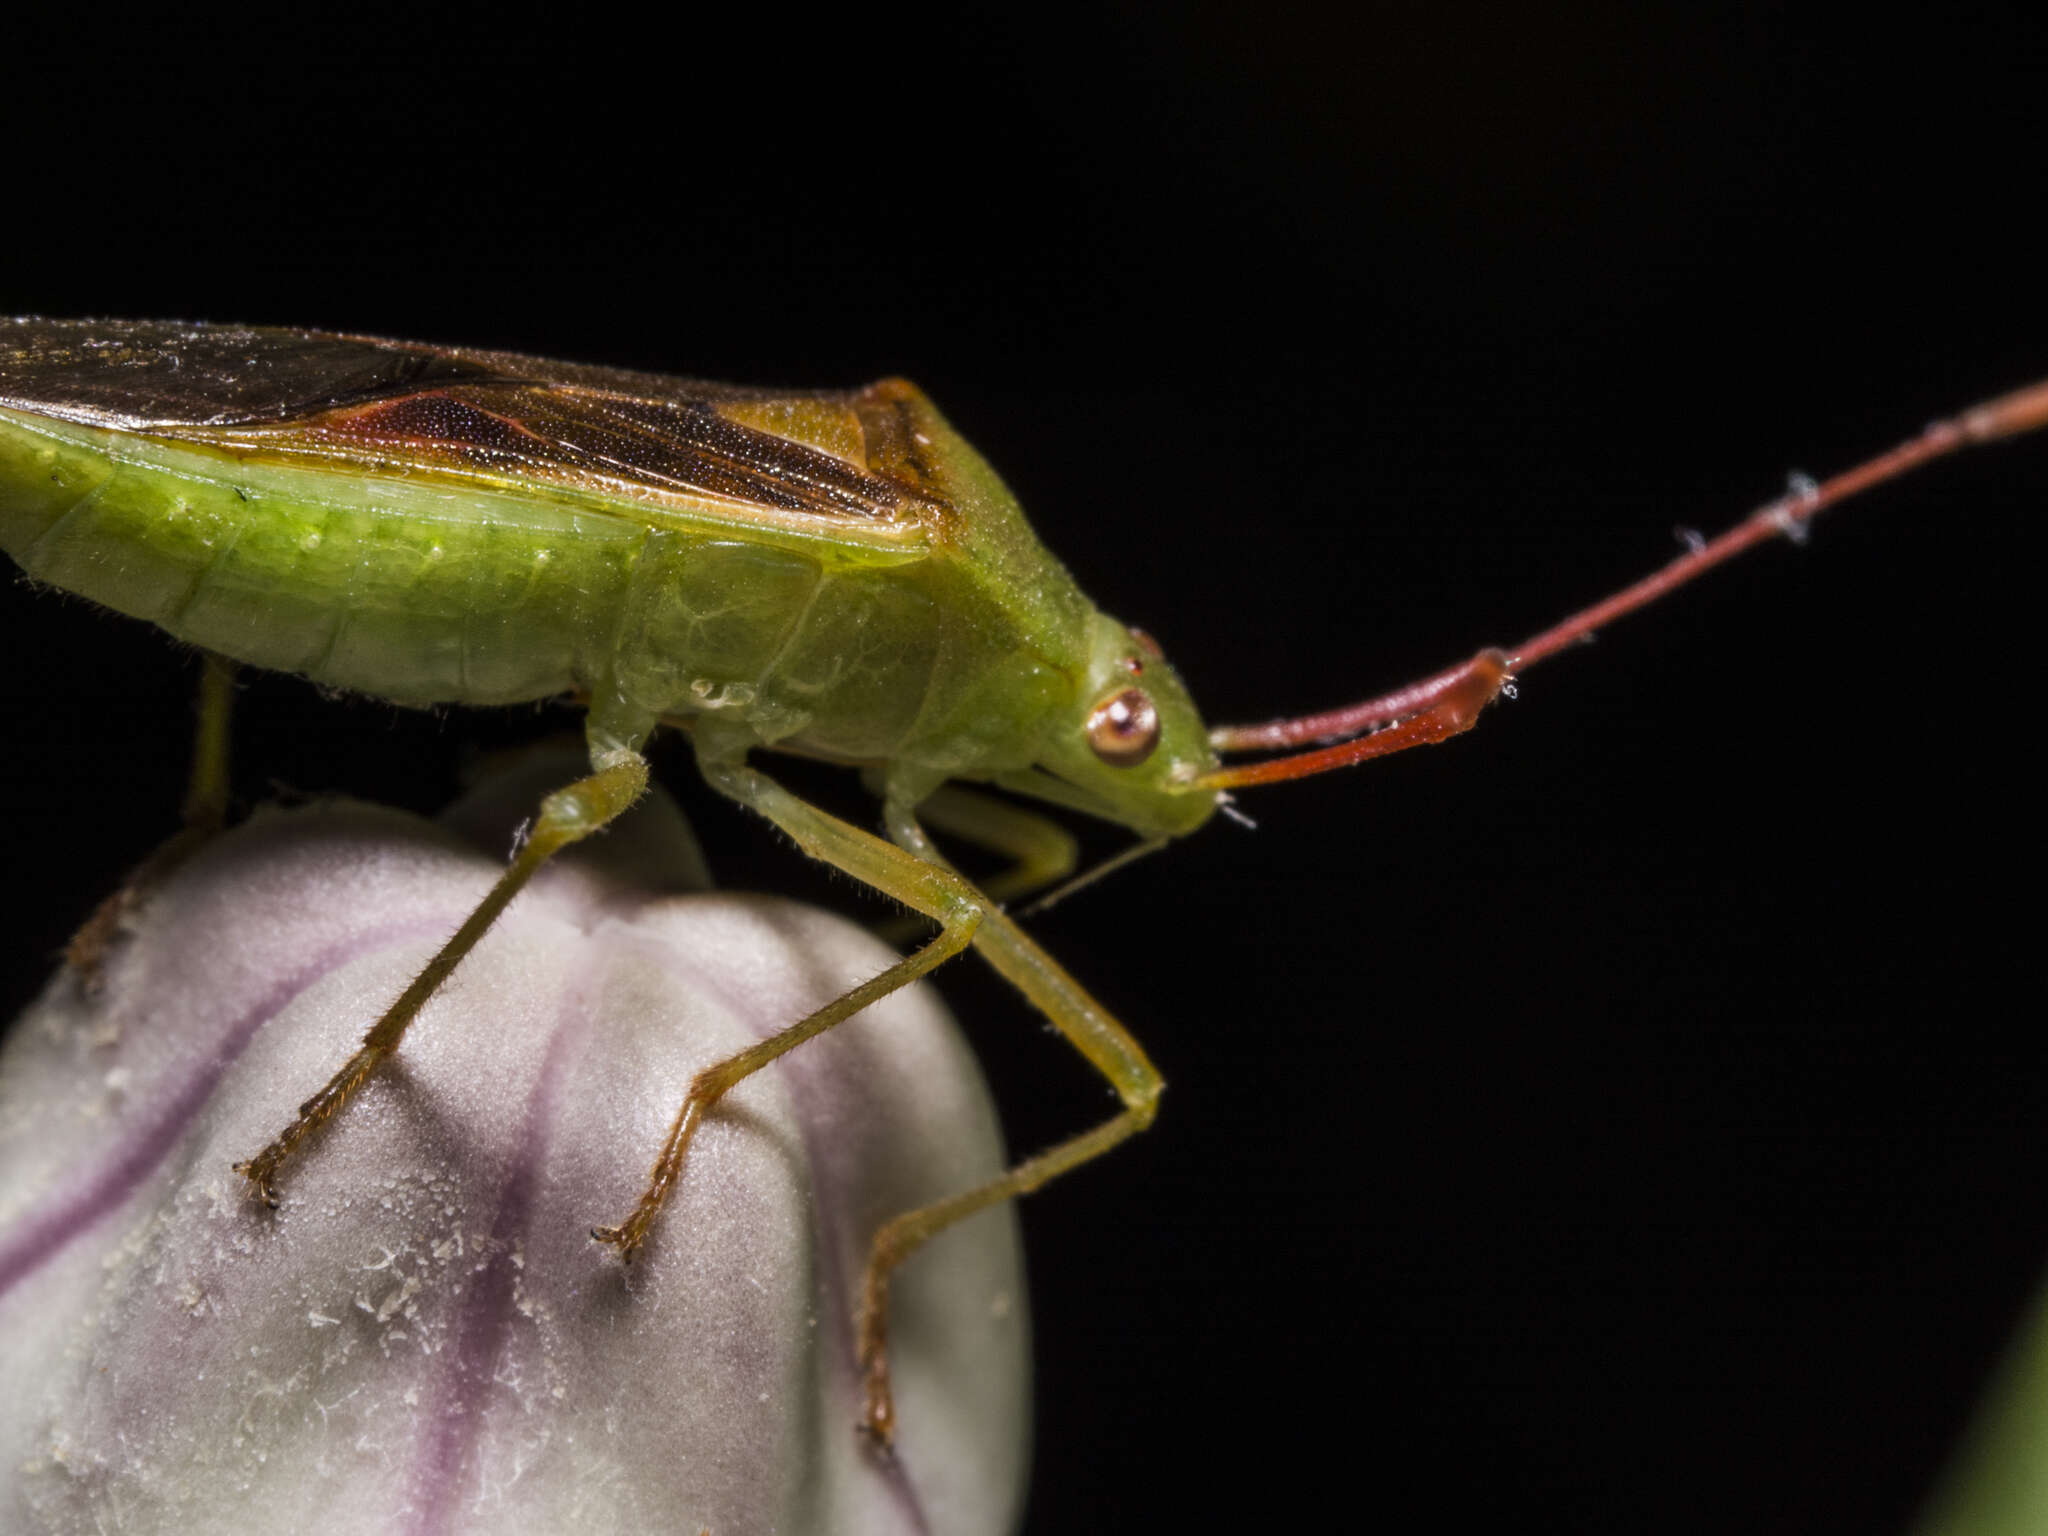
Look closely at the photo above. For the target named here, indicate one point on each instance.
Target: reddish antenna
(1450, 702)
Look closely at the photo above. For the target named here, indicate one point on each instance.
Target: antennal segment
(2010, 415)
(1449, 702)
(1455, 699)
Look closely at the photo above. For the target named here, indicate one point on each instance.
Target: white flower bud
(424, 1337)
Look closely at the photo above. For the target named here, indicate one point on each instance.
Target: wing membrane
(407, 407)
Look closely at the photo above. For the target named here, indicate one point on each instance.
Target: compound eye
(1124, 728)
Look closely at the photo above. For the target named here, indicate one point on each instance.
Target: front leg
(1041, 851)
(1090, 1029)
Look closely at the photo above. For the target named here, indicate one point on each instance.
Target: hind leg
(205, 814)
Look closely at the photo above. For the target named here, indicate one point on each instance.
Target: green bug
(831, 573)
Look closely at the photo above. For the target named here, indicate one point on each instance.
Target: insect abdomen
(407, 589)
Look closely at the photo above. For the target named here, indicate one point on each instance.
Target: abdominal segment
(410, 592)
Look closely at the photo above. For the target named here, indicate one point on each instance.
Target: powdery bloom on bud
(424, 1338)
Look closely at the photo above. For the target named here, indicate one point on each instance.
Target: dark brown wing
(411, 407)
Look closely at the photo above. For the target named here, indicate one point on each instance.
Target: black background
(1619, 1118)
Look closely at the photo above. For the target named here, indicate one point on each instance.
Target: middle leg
(566, 816)
(936, 892)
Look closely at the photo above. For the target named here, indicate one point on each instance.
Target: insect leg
(934, 890)
(1092, 1031)
(1042, 852)
(566, 816)
(205, 813)
(206, 794)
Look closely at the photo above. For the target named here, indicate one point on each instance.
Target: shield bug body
(833, 573)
